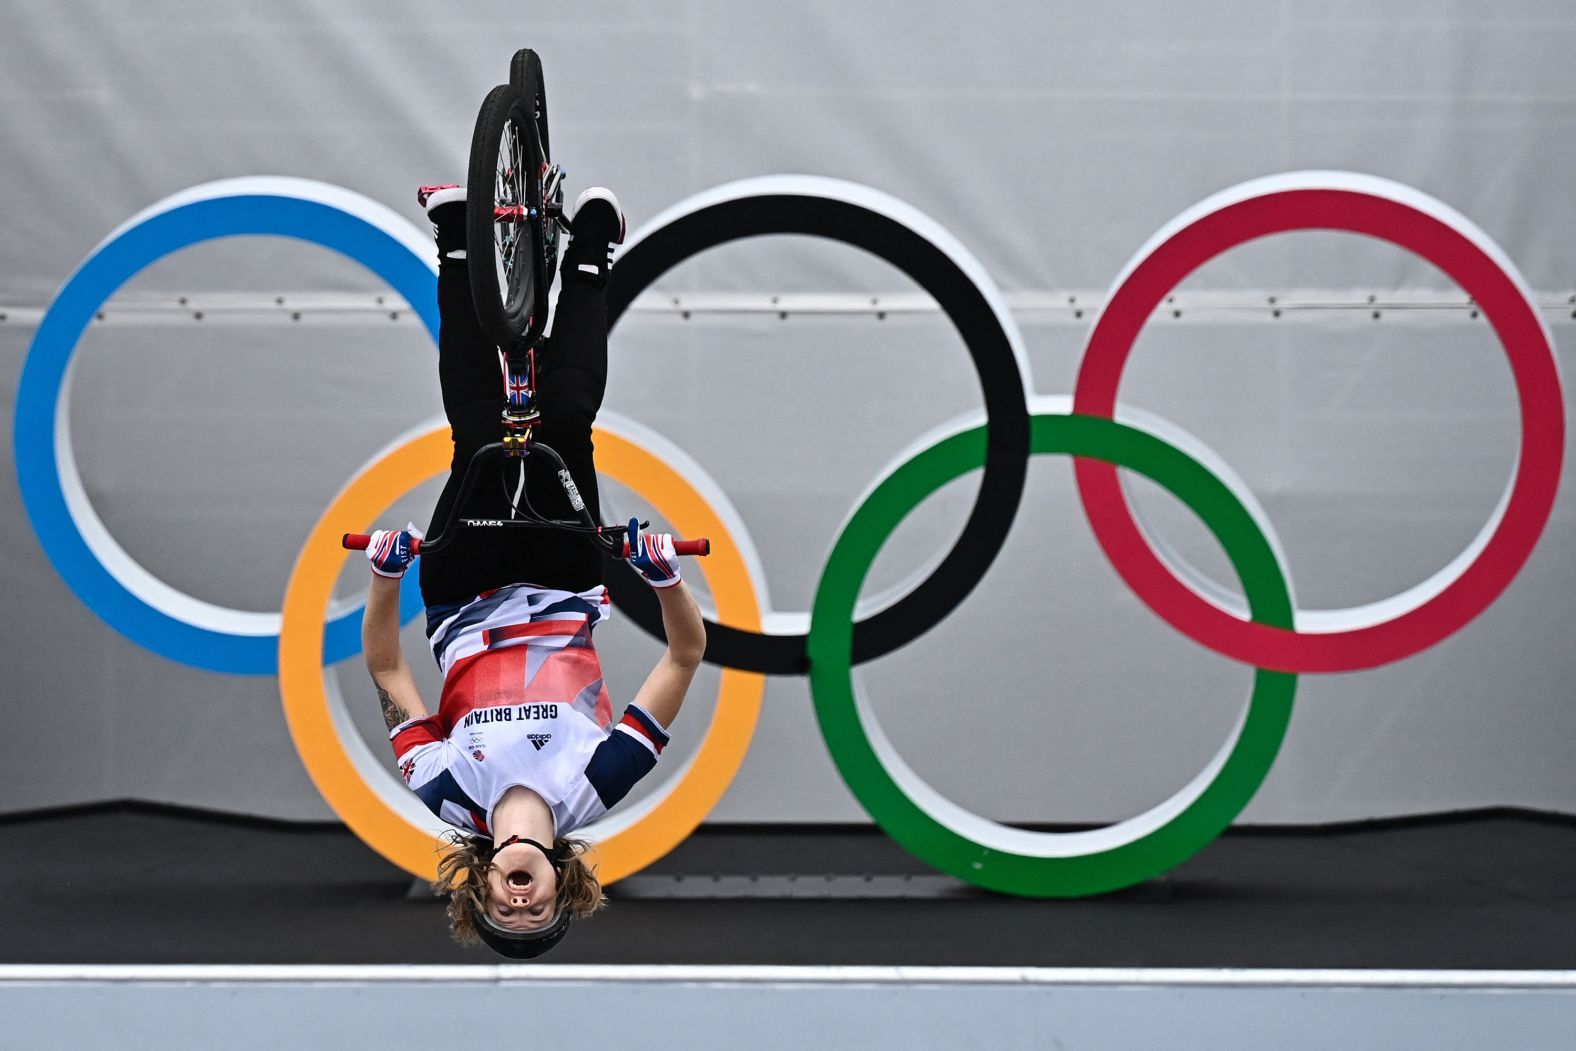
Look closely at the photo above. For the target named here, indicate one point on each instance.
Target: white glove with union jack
(652, 554)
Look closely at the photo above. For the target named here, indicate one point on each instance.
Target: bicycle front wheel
(505, 220)
(525, 76)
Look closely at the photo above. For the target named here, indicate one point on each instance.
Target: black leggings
(571, 375)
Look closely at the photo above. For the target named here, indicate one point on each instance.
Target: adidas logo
(539, 739)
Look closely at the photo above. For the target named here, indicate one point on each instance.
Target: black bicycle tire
(525, 76)
(519, 317)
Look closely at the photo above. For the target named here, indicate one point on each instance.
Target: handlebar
(682, 547)
(360, 542)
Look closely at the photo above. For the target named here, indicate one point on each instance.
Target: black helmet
(524, 945)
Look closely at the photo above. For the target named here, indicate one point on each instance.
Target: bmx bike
(512, 240)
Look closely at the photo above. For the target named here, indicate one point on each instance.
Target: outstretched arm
(662, 694)
(380, 641)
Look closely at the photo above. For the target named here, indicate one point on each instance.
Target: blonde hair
(462, 875)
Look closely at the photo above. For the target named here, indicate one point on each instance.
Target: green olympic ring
(998, 857)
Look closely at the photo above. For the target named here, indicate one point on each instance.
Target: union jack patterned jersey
(523, 704)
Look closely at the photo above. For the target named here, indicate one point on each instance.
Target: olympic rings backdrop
(1272, 633)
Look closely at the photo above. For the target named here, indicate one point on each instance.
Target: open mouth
(519, 879)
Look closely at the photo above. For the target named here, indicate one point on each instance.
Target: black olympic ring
(1001, 381)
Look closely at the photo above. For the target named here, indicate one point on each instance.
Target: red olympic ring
(1411, 220)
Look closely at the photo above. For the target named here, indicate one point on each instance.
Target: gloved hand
(652, 554)
(389, 551)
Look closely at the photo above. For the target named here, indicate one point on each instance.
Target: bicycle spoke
(516, 196)
(505, 235)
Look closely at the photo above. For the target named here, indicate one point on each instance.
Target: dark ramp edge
(137, 884)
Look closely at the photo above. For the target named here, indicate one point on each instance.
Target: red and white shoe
(430, 197)
(445, 208)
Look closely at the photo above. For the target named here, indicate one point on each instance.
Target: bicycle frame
(534, 211)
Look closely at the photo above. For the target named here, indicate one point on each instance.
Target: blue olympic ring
(312, 212)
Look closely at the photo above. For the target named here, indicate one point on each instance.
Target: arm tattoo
(393, 714)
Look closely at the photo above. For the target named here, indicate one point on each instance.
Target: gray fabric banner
(1052, 140)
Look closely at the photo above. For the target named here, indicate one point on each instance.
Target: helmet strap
(552, 856)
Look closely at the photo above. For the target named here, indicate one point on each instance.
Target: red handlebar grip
(682, 547)
(361, 541)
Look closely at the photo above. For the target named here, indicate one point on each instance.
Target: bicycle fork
(520, 410)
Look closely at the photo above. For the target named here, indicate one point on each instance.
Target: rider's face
(521, 888)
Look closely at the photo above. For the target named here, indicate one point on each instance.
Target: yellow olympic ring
(364, 790)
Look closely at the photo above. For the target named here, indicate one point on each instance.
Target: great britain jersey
(523, 703)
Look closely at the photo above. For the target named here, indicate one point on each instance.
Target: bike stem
(520, 410)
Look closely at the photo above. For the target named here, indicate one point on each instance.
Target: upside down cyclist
(523, 749)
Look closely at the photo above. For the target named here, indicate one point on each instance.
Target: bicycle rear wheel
(505, 220)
